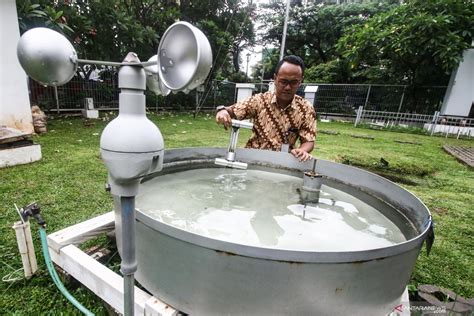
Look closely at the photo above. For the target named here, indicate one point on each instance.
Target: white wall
(460, 93)
(15, 109)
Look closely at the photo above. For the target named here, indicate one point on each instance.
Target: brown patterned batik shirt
(273, 126)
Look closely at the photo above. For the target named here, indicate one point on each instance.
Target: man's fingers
(306, 157)
(296, 153)
(301, 155)
(226, 124)
(224, 119)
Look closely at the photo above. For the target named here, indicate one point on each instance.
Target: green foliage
(270, 59)
(314, 30)
(417, 43)
(109, 29)
(41, 14)
(230, 29)
(237, 77)
(336, 70)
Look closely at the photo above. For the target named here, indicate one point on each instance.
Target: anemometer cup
(184, 57)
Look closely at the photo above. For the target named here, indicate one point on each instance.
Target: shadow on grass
(399, 174)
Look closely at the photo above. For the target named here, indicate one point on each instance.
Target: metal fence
(347, 98)
(380, 106)
(434, 124)
(102, 89)
(333, 99)
(386, 119)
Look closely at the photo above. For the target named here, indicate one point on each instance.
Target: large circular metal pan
(205, 276)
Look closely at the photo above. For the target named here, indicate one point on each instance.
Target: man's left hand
(301, 154)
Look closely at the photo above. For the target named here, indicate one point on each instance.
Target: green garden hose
(55, 277)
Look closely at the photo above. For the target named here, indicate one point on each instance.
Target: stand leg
(128, 265)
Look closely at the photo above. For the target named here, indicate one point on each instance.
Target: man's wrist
(220, 108)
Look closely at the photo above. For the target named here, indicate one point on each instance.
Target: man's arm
(307, 134)
(240, 110)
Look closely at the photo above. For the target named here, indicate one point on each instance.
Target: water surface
(266, 209)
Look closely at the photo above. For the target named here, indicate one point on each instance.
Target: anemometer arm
(111, 63)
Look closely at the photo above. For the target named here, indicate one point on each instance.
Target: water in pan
(266, 209)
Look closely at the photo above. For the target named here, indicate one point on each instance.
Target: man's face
(287, 81)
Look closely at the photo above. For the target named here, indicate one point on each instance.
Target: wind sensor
(131, 145)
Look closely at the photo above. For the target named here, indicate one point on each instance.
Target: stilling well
(213, 240)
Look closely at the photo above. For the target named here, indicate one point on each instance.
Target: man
(279, 117)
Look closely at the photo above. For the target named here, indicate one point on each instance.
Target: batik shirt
(273, 126)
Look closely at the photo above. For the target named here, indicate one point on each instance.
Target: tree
(102, 30)
(314, 30)
(229, 27)
(39, 14)
(270, 57)
(417, 43)
(108, 29)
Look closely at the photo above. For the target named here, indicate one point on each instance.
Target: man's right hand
(223, 117)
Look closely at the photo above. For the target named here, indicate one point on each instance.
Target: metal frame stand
(107, 284)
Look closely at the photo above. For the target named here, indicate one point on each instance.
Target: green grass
(69, 182)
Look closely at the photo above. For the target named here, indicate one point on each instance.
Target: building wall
(15, 109)
(460, 93)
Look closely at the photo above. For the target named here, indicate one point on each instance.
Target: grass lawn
(68, 183)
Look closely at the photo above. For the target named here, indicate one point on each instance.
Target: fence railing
(434, 124)
(337, 99)
(378, 105)
(346, 98)
(102, 89)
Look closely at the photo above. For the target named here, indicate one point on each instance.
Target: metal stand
(106, 284)
(128, 266)
(102, 281)
(131, 147)
(229, 161)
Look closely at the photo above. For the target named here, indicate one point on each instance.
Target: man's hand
(223, 117)
(301, 154)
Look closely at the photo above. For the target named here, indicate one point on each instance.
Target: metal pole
(367, 98)
(128, 266)
(359, 115)
(112, 63)
(401, 100)
(56, 98)
(247, 70)
(285, 26)
(434, 122)
(196, 110)
(214, 93)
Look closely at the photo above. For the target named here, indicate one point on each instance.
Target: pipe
(229, 161)
(128, 266)
(55, 277)
(285, 26)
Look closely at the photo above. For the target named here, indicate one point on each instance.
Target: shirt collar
(289, 107)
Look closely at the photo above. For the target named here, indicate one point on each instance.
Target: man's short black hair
(292, 59)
